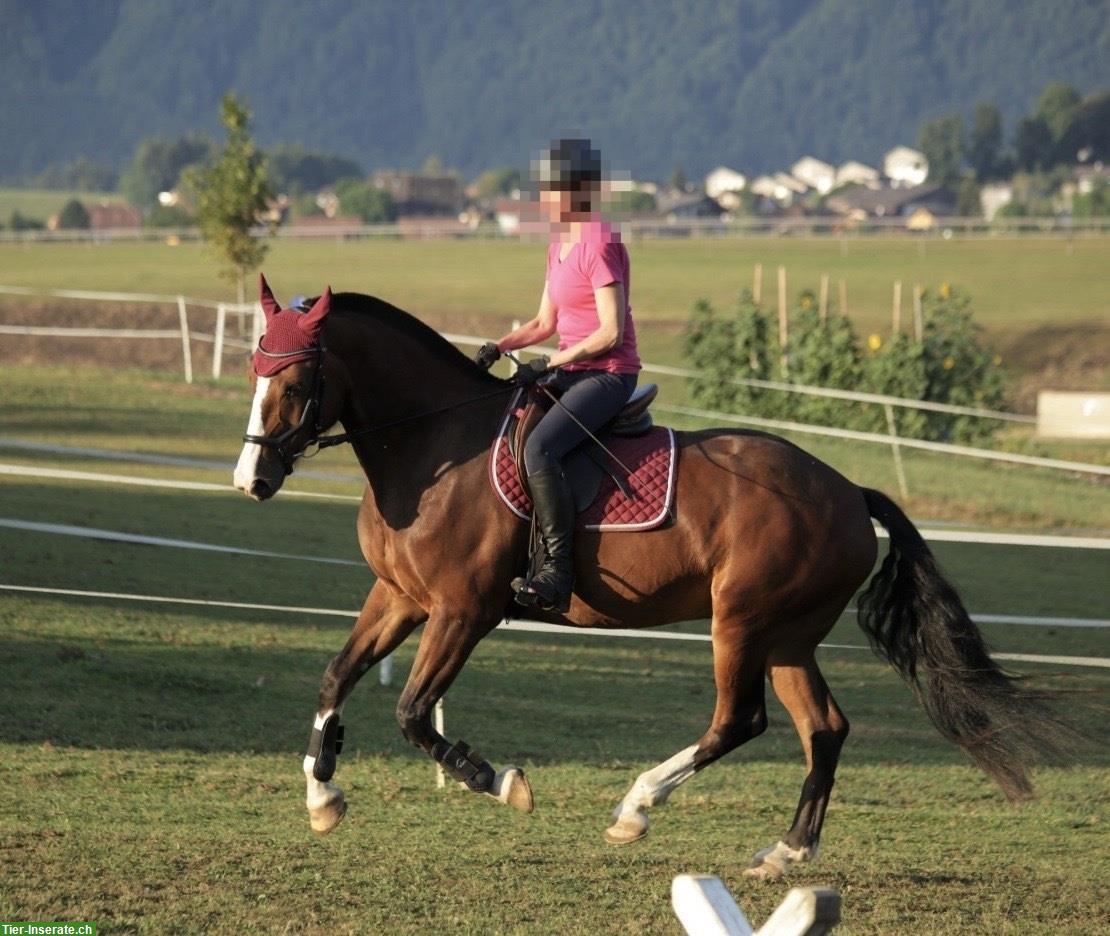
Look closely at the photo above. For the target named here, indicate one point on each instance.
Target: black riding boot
(550, 588)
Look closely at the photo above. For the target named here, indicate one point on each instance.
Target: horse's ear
(266, 297)
(311, 321)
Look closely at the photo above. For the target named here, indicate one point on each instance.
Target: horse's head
(292, 405)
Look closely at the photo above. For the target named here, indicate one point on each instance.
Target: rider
(586, 300)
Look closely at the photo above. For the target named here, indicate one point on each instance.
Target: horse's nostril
(261, 489)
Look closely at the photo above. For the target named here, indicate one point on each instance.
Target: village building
(861, 203)
(724, 181)
(421, 195)
(993, 196)
(814, 174)
(857, 173)
(905, 166)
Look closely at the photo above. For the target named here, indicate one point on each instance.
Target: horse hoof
(770, 863)
(326, 816)
(627, 829)
(513, 789)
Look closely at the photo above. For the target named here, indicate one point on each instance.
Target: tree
(1058, 106)
(295, 169)
(73, 216)
(232, 192)
(986, 140)
(969, 203)
(678, 182)
(1033, 144)
(495, 182)
(158, 167)
(368, 202)
(942, 141)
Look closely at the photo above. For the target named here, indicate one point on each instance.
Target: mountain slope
(753, 83)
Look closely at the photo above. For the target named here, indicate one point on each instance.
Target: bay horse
(765, 540)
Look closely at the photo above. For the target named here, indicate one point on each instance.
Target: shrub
(73, 216)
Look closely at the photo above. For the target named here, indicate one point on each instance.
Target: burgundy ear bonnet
(290, 336)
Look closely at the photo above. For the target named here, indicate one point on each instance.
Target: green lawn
(1016, 283)
(40, 204)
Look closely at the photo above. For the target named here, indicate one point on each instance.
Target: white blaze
(246, 470)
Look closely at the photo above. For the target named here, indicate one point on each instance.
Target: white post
(441, 777)
(704, 907)
(385, 671)
(218, 341)
(258, 326)
(898, 469)
(186, 351)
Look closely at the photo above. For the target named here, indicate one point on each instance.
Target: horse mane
(398, 320)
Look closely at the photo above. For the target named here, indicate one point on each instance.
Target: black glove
(532, 371)
(487, 355)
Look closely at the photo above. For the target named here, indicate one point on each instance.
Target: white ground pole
(705, 907)
(441, 778)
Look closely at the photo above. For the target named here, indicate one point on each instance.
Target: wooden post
(218, 341)
(844, 298)
(186, 350)
(783, 335)
(823, 300)
(258, 325)
(892, 430)
(757, 284)
(918, 314)
(896, 308)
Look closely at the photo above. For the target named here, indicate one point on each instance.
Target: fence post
(918, 315)
(823, 300)
(783, 336)
(186, 351)
(258, 325)
(757, 284)
(896, 308)
(218, 341)
(892, 430)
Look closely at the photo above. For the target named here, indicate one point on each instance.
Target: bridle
(311, 409)
(317, 440)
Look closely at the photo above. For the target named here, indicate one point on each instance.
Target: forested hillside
(659, 83)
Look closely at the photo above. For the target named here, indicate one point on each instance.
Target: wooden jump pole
(896, 308)
(757, 284)
(823, 299)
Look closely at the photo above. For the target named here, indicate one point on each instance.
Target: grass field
(1016, 283)
(152, 752)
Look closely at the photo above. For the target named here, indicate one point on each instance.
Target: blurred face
(557, 206)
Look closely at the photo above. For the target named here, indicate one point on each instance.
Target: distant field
(1016, 283)
(40, 204)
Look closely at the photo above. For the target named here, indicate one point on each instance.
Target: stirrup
(529, 597)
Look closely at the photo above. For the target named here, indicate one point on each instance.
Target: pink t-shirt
(597, 260)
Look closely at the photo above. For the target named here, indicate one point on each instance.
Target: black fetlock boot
(550, 588)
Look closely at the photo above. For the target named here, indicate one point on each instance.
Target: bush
(948, 365)
(372, 204)
(20, 222)
(73, 216)
(169, 216)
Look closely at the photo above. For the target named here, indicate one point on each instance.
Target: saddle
(587, 465)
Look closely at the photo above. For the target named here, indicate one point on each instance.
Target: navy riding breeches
(593, 396)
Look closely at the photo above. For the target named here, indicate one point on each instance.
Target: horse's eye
(292, 391)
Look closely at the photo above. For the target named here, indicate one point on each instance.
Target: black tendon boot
(550, 588)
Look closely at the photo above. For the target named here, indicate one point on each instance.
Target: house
(857, 173)
(860, 202)
(814, 174)
(722, 181)
(1088, 177)
(114, 218)
(421, 195)
(993, 196)
(905, 166)
(675, 205)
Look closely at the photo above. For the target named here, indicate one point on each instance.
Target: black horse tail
(916, 621)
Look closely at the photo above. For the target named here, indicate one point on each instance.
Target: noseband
(311, 409)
